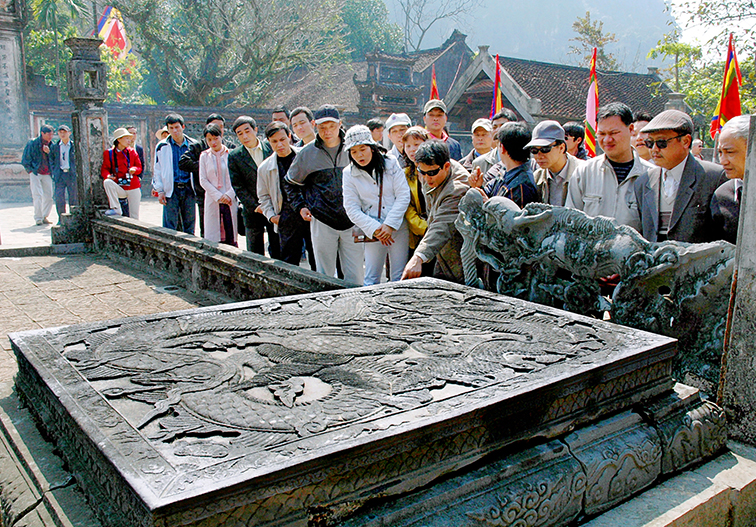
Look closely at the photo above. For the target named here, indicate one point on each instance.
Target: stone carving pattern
(556, 256)
(540, 501)
(619, 466)
(208, 386)
(692, 435)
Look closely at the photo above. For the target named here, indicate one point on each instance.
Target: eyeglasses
(429, 173)
(535, 150)
(661, 143)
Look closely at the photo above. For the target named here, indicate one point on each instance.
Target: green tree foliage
(47, 13)
(46, 52)
(125, 78)
(216, 52)
(590, 34)
(683, 55)
(701, 81)
(367, 28)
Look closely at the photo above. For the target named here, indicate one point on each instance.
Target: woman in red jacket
(120, 171)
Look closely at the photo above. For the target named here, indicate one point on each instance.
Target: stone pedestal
(737, 391)
(87, 88)
(302, 410)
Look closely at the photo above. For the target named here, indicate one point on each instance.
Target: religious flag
(729, 100)
(434, 86)
(591, 110)
(111, 30)
(496, 100)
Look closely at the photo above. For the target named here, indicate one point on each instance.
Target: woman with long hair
(417, 214)
(220, 198)
(376, 196)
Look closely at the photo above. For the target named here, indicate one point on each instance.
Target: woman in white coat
(376, 196)
(220, 198)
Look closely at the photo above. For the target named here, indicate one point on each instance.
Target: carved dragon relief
(206, 387)
(557, 256)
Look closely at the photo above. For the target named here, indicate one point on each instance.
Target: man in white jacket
(603, 186)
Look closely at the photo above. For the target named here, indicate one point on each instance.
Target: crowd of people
(386, 194)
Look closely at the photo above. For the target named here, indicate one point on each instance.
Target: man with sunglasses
(443, 192)
(555, 166)
(674, 199)
(603, 186)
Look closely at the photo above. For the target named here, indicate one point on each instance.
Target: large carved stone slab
(304, 408)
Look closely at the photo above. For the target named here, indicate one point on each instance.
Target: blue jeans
(180, 209)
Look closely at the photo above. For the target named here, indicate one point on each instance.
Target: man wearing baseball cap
(314, 183)
(434, 116)
(396, 125)
(63, 167)
(482, 140)
(674, 199)
(555, 165)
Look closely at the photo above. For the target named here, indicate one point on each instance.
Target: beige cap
(121, 132)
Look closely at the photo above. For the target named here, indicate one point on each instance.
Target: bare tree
(420, 15)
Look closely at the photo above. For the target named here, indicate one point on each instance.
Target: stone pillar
(14, 108)
(737, 389)
(87, 88)
(676, 102)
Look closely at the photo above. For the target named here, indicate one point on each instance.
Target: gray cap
(670, 120)
(482, 123)
(358, 135)
(545, 133)
(396, 119)
(64, 128)
(434, 103)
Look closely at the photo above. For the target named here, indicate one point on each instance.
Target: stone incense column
(737, 389)
(87, 88)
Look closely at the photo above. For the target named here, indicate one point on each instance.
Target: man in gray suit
(674, 200)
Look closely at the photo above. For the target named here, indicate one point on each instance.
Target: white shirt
(256, 153)
(671, 180)
(65, 155)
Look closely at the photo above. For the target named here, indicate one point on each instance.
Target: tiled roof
(563, 89)
(312, 89)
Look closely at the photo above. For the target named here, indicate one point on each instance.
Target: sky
(542, 30)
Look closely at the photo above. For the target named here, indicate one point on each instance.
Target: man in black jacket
(36, 162)
(242, 166)
(190, 163)
(314, 186)
(63, 167)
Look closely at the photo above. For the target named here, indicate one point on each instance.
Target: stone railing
(199, 264)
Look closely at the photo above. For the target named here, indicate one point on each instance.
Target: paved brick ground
(49, 291)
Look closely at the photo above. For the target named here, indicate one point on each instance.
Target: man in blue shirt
(174, 186)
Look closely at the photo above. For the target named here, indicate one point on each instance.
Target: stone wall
(204, 265)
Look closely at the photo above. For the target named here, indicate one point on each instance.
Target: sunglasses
(429, 173)
(535, 150)
(661, 143)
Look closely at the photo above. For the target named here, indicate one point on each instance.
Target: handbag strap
(380, 198)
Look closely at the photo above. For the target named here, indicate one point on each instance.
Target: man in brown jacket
(442, 193)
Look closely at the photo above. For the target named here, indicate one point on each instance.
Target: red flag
(591, 110)
(729, 100)
(434, 86)
(496, 100)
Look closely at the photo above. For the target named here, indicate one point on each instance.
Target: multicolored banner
(591, 110)
(729, 100)
(496, 99)
(111, 30)
(434, 86)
